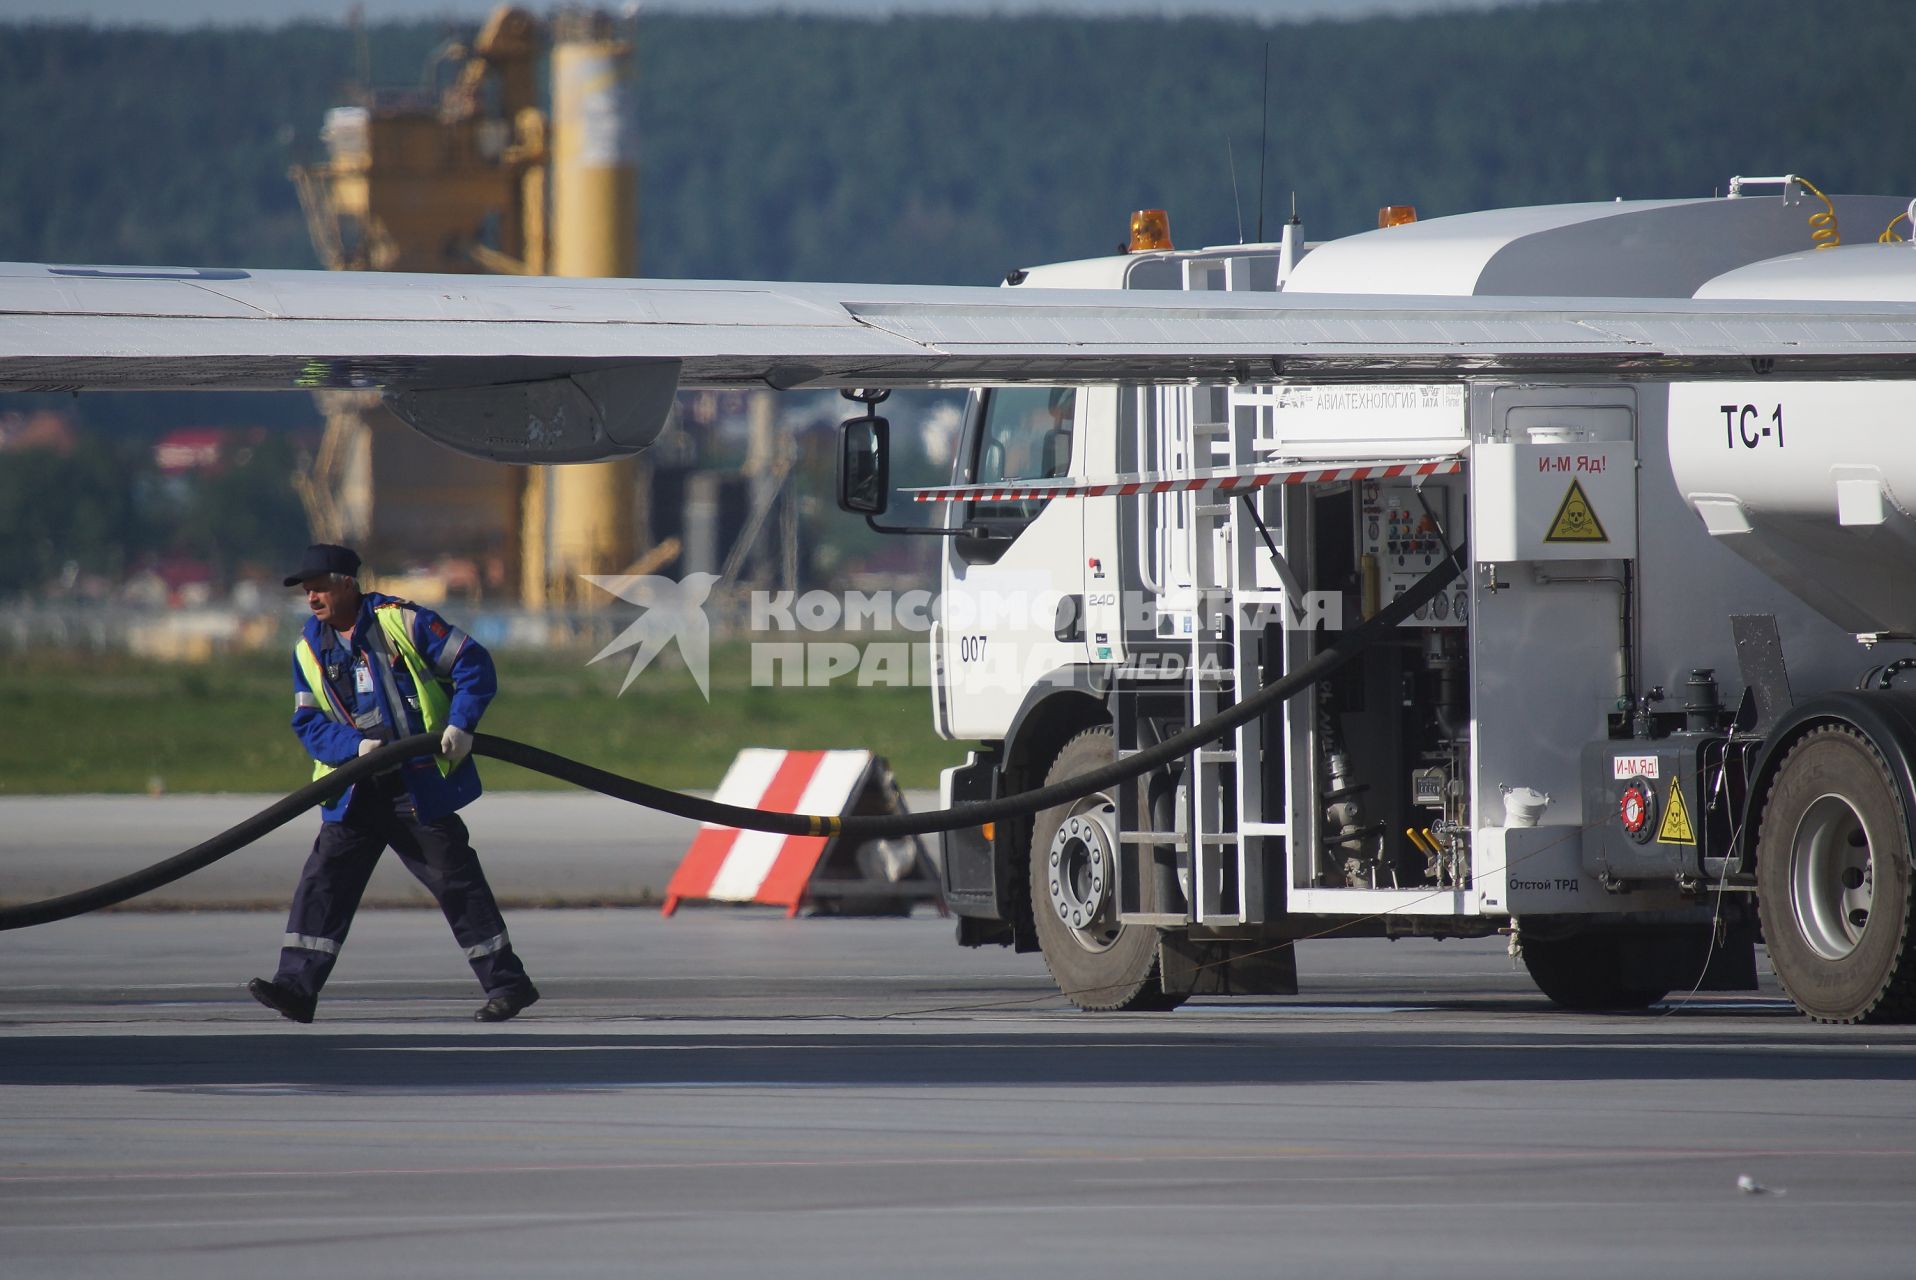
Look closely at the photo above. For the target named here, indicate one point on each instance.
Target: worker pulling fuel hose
(970, 814)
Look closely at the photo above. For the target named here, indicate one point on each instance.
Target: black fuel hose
(874, 827)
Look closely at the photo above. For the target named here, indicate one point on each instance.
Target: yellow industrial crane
(417, 180)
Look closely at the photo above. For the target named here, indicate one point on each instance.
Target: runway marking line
(994, 1047)
(1114, 1158)
(65, 1197)
(357, 1222)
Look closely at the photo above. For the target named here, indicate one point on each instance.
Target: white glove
(368, 745)
(455, 743)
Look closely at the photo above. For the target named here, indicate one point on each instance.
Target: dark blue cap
(323, 558)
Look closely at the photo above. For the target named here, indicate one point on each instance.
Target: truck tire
(1098, 963)
(1586, 972)
(1833, 882)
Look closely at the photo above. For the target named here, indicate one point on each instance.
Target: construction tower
(584, 519)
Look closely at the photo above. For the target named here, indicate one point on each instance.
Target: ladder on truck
(1222, 589)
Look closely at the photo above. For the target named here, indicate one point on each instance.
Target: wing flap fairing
(583, 417)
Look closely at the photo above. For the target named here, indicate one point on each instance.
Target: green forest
(948, 150)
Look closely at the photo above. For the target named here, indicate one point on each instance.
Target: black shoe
(506, 1004)
(284, 1001)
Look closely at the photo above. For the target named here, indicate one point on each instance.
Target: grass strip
(120, 724)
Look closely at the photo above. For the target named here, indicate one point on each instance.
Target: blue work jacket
(364, 680)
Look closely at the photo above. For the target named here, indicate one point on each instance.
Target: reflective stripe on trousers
(491, 946)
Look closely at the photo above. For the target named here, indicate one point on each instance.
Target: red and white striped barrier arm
(1224, 479)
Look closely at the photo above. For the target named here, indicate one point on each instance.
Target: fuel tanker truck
(1546, 571)
(1656, 702)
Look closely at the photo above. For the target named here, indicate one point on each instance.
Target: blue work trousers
(439, 853)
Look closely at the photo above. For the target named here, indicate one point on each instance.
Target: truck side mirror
(1057, 452)
(864, 465)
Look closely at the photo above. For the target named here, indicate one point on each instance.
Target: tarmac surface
(731, 1093)
(540, 848)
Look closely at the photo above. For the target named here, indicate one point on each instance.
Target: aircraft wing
(542, 369)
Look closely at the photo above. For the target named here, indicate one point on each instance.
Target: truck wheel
(1833, 882)
(1585, 972)
(1097, 962)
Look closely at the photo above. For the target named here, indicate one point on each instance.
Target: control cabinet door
(1554, 542)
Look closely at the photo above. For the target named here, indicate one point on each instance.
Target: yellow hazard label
(1676, 828)
(1576, 519)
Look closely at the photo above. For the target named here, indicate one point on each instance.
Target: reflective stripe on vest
(315, 678)
(435, 704)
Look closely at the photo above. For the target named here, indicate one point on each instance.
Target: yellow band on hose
(824, 826)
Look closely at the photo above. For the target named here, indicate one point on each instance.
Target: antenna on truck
(1237, 203)
(1263, 138)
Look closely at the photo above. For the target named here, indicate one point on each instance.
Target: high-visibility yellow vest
(435, 702)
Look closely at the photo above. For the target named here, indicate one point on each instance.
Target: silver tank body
(1812, 482)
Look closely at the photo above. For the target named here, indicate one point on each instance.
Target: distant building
(41, 429)
(190, 449)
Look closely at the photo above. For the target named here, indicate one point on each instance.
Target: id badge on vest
(369, 718)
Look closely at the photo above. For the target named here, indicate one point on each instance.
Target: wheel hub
(1079, 870)
(1832, 879)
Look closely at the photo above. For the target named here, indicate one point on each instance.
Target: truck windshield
(1025, 435)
